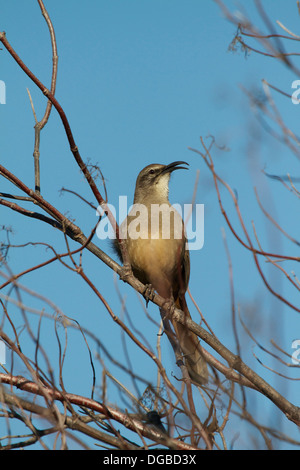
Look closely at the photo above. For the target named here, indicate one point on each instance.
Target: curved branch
(109, 412)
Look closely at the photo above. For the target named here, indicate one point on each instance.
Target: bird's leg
(126, 272)
(148, 293)
(168, 307)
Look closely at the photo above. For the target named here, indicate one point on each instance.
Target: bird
(158, 253)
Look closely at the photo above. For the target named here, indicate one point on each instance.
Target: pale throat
(162, 187)
(158, 193)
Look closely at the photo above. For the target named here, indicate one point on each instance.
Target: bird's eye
(151, 172)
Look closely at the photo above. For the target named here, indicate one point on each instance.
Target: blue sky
(140, 82)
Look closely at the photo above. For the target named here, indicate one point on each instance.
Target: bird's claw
(126, 272)
(148, 293)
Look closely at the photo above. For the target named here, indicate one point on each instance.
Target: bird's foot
(148, 293)
(126, 272)
(168, 308)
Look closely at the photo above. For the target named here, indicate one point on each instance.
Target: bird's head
(154, 179)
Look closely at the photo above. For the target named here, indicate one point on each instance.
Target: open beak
(174, 166)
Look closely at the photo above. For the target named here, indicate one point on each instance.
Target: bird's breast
(155, 241)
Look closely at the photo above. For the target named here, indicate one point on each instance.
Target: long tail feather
(191, 348)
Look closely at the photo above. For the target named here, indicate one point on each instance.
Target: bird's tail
(190, 346)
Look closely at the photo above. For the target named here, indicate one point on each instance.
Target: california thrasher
(159, 256)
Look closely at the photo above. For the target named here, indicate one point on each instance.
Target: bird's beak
(174, 166)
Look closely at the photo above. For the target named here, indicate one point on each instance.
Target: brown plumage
(158, 254)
